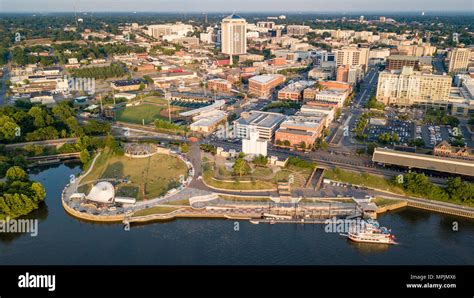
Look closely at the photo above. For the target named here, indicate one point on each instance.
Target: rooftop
(264, 79)
(234, 17)
(423, 161)
(262, 119)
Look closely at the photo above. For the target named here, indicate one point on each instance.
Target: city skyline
(297, 6)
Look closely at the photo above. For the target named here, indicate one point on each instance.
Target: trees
(460, 191)
(8, 128)
(260, 160)
(416, 142)
(18, 195)
(320, 144)
(184, 147)
(374, 104)
(111, 71)
(300, 163)
(16, 174)
(85, 156)
(241, 167)
(303, 145)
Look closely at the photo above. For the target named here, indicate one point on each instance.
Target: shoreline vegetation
(412, 184)
(19, 195)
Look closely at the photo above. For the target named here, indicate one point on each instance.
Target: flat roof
(216, 105)
(262, 119)
(264, 79)
(128, 82)
(423, 161)
(295, 131)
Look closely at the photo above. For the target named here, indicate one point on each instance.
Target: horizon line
(254, 12)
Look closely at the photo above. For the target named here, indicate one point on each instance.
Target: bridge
(51, 159)
(56, 143)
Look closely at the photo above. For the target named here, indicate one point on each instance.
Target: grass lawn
(363, 179)
(381, 202)
(135, 114)
(237, 185)
(155, 210)
(156, 99)
(160, 173)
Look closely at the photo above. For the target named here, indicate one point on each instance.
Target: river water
(425, 239)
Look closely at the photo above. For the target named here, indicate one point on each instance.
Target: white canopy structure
(102, 192)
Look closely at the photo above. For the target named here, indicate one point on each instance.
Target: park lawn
(159, 174)
(154, 210)
(99, 166)
(237, 185)
(363, 179)
(262, 173)
(135, 114)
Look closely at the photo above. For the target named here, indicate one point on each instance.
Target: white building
(338, 96)
(234, 35)
(265, 122)
(253, 145)
(180, 29)
(102, 192)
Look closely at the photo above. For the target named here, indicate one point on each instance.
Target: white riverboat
(370, 232)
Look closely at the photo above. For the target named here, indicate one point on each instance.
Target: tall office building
(458, 60)
(408, 87)
(352, 55)
(234, 35)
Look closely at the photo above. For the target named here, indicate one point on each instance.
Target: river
(425, 239)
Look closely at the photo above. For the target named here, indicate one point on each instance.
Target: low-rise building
(208, 122)
(315, 109)
(127, 85)
(265, 122)
(300, 131)
(294, 91)
(219, 85)
(336, 96)
(171, 76)
(262, 86)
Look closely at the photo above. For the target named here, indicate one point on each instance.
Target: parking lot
(404, 129)
(434, 134)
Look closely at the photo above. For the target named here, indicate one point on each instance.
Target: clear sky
(236, 5)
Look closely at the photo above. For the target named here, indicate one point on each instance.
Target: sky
(236, 5)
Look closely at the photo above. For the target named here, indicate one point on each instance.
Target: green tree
(241, 167)
(8, 128)
(85, 156)
(260, 160)
(38, 192)
(16, 174)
